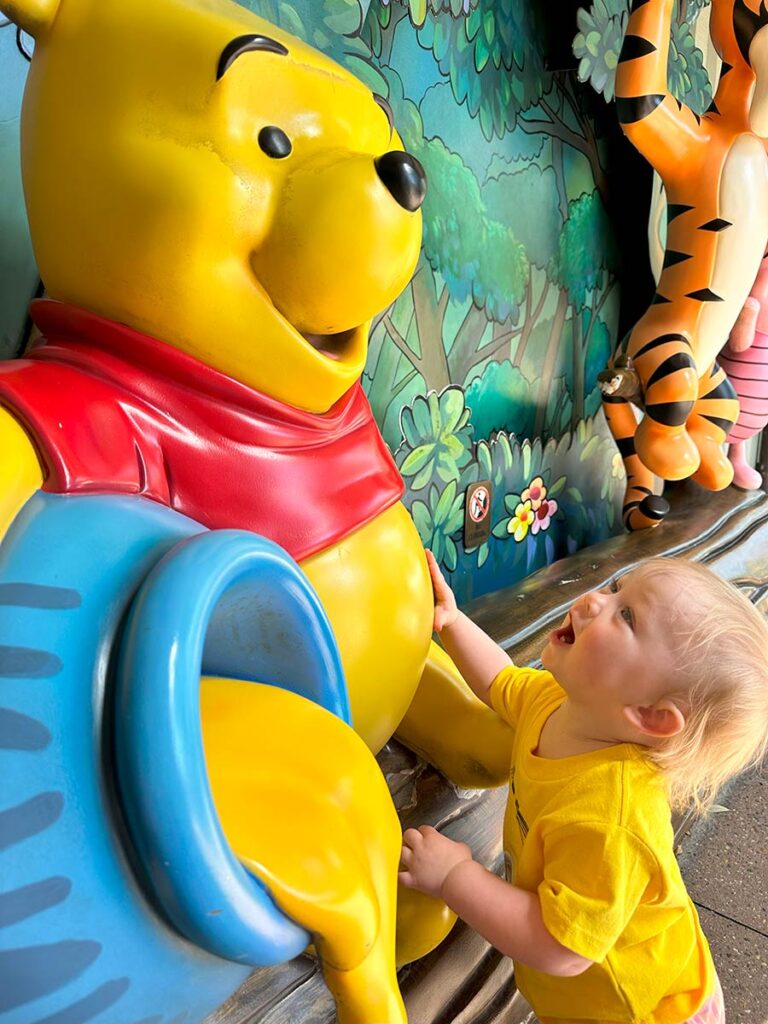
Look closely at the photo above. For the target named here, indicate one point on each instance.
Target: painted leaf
(417, 459)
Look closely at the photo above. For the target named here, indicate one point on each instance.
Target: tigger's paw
(646, 514)
(715, 472)
(669, 452)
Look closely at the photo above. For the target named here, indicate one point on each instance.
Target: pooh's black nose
(404, 177)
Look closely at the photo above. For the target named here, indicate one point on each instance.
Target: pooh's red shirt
(114, 411)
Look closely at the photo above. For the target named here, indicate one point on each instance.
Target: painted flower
(617, 465)
(535, 492)
(543, 516)
(521, 521)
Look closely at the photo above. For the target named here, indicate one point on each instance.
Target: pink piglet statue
(745, 360)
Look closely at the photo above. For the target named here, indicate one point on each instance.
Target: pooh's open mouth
(345, 346)
(333, 346)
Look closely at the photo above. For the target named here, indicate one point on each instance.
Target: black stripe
(634, 47)
(670, 414)
(645, 490)
(725, 425)
(662, 339)
(723, 390)
(718, 224)
(626, 446)
(637, 4)
(658, 299)
(671, 258)
(20, 732)
(613, 400)
(725, 68)
(33, 971)
(34, 595)
(29, 818)
(746, 25)
(27, 663)
(95, 1003)
(675, 209)
(28, 900)
(704, 295)
(632, 109)
(712, 108)
(673, 363)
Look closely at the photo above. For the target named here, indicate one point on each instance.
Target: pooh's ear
(33, 16)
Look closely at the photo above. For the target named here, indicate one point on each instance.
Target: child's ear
(661, 720)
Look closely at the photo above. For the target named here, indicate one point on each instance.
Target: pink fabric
(713, 1011)
(748, 372)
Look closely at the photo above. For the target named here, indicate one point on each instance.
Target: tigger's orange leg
(642, 508)
(715, 412)
(667, 372)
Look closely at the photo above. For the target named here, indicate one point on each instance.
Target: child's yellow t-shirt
(592, 835)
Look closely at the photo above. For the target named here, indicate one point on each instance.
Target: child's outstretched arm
(508, 917)
(478, 658)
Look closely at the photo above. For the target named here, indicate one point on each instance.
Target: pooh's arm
(20, 472)
(448, 726)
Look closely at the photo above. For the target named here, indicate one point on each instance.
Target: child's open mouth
(564, 635)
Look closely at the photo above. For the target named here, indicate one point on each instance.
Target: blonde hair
(722, 662)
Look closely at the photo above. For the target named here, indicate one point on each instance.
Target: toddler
(654, 693)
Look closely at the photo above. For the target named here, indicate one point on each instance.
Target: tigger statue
(714, 169)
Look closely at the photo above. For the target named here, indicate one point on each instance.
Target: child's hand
(446, 611)
(427, 859)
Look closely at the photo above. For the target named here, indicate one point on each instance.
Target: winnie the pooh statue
(217, 212)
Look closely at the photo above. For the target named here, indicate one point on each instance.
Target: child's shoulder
(519, 690)
(622, 790)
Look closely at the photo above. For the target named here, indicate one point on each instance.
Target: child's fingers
(405, 878)
(434, 570)
(435, 577)
(411, 837)
(443, 593)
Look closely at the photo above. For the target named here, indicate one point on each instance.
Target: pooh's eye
(275, 142)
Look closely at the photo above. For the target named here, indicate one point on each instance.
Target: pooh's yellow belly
(375, 587)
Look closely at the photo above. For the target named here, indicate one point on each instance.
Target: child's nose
(593, 602)
(584, 607)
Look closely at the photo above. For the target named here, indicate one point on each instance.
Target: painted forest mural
(485, 367)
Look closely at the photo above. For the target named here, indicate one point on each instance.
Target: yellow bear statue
(217, 212)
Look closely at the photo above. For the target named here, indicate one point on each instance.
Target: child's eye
(626, 614)
(613, 586)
